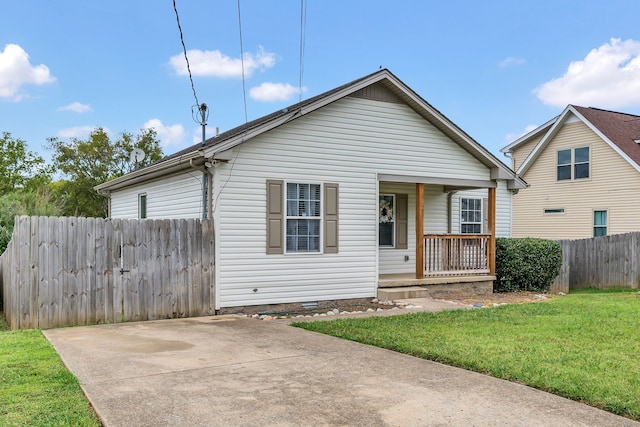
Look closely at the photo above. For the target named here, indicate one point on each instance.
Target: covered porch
(446, 262)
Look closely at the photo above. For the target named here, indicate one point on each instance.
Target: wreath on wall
(386, 211)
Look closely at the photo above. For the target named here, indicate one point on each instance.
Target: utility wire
(303, 30)
(244, 87)
(184, 49)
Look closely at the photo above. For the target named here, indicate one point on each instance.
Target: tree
(19, 167)
(21, 202)
(97, 159)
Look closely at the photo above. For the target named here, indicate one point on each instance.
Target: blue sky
(495, 68)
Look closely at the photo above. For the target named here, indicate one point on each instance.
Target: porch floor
(403, 286)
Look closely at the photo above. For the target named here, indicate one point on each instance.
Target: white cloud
(274, 92)
(214, 63)
(16, 71)
(173, 135)
(80, 132)
(76, 107)
(507, 62)
(608, 77)
(510, 137)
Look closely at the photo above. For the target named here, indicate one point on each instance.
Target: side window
(564, 165)
(573, 164)
(599, 223)
(470, 216)
(142, 206)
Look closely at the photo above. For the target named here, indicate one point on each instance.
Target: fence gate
(76, 271)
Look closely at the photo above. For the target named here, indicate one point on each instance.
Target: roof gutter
(153, 171)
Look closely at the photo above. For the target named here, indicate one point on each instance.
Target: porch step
(437, 290)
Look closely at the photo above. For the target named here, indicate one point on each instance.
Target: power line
(303, 30)
(184, 49)
(244, 87)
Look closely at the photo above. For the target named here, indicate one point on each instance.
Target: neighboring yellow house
(583, 171)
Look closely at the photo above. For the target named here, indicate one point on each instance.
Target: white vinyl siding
(347, 142)
(503, 209)
(177, 196)
(612, 185)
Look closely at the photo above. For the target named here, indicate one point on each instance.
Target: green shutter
(331, 223)
(275, 217)
(402, 221)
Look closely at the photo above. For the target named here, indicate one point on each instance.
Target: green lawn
(584, 346)
(35, 387)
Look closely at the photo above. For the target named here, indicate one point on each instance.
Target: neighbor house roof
(618, 130)
(217, 146)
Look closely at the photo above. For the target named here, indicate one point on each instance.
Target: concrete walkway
(235, 371)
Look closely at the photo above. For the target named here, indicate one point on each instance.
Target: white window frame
(480, 223)
(393, 221)
(573, 164)
(319, 218)
(142, 196)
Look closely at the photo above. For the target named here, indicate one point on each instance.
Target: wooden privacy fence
(78, 271)
(601, 262)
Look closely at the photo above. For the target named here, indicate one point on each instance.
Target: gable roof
(217, 146)
(618, 130)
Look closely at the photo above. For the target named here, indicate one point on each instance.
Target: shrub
(526, 264)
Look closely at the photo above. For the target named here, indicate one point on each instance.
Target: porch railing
(456, 254)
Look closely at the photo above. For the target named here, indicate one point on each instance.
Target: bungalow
(365, 190)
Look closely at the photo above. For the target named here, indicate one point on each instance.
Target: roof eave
(150, 172)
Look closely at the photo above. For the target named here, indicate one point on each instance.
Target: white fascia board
(252, 133)
(150, 172)
(553, 130)
(528, 135)
(607, 140)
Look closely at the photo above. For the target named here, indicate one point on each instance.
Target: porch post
(419, 231)
(491, 225)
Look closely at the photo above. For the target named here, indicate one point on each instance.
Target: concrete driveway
(235, 371)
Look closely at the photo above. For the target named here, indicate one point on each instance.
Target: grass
(36, 389)
(583, 346)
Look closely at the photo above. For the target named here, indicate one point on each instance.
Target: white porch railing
(455, 254)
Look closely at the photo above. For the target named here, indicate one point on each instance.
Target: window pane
(564, 172)
(386, 234)
(599, 231)
(564, 157)
(581, 171)
(386, 209)
(292, 191)
(303, 235)
(599, 218)
(581, 155)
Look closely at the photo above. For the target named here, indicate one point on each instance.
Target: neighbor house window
(387, 221)
(573, 164)
(142, 206)
(303, 218)
(599, 223)
(471, 216)
(554, 211)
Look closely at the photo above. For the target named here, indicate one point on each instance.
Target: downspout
(449, 197)
(205, 170)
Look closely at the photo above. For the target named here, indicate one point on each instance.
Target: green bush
(526, 264)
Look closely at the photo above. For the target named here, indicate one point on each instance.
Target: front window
(386, 221)
(573, 164)
(303, 217)
(471, 216)
(599, 223)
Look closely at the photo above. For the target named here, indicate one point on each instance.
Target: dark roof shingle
(620, 128)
